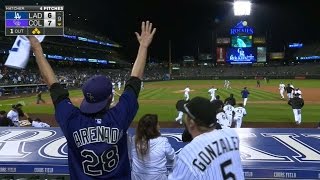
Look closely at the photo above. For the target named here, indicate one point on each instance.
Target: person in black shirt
(296, 103)
(39, 97)
(230, 100)
(217, 102)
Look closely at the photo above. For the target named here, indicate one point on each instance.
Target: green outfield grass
(264, 104)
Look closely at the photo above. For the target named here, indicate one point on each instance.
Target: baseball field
(264, 106)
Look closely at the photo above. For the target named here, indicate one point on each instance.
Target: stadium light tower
(242, 7)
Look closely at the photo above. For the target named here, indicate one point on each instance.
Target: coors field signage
(241, 28)
(265, 153)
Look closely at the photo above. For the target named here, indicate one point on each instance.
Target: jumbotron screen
(241, 41)
(241, 55)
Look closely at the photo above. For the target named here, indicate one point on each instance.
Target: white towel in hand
(19, 53)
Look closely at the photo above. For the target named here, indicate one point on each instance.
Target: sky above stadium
(190, 24)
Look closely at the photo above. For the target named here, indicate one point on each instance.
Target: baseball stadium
(270, 68)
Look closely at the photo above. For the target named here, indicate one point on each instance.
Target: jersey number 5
(227, 175)
(108, 160)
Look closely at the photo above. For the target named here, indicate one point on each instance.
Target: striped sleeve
(181, 171)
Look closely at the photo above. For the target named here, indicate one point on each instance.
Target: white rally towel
(19, 53)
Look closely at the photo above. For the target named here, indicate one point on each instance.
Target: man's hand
(35, 44)
(146, 35)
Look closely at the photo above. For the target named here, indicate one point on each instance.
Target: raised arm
(44, 67)
(145, 39)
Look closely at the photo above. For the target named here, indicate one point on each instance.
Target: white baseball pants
(212, 98)
(281, 94)
(245, 101)
(297, 115)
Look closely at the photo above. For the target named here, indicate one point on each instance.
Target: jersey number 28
(108, 160)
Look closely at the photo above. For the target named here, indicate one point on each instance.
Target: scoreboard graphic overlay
(34, 20)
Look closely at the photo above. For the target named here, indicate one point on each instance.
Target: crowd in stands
(246, 71)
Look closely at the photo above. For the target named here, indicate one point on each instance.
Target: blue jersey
(245, 93)
(97, 148)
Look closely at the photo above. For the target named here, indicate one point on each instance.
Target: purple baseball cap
(96, 92)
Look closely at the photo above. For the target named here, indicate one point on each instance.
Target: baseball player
(228, 85)
(213, 154)
(281, 89)
(212, 92)
(180, 113)
(296, 103)
(228, 109)
(96, 134)
(39, 97)
(186, 93)
(119, 85)
(290, 91)
(225, 84)
(222, 119)
(245, 93)
(298, 91)
(238, 114)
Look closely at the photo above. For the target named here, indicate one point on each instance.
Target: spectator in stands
(150, 151)
(230, 100)
(4, 121)
(13, 114)
(95, 115)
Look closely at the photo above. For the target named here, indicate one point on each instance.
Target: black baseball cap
(201, 110)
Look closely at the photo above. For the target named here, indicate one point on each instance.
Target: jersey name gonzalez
(214, 150)
(97, 134)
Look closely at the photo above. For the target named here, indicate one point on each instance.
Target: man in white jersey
(37, 123)
(213, 154)
(281, 89)
(186, 93)
(119, 85)
(298, 91)
(238, 114)
(228, 109)
(212, 93)
(228, 84)
(222, 119)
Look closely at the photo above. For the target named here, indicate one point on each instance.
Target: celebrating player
(212, 93)
(201, 159)
(186, 93)
(93, 154)
(222, 119)
(296, 103)
(281, 89)
(290, 91)
(298, 91)
(180, 113)
(238, 114)
(230, 100)
(119, 85)
(228, 109)
(245, 93)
